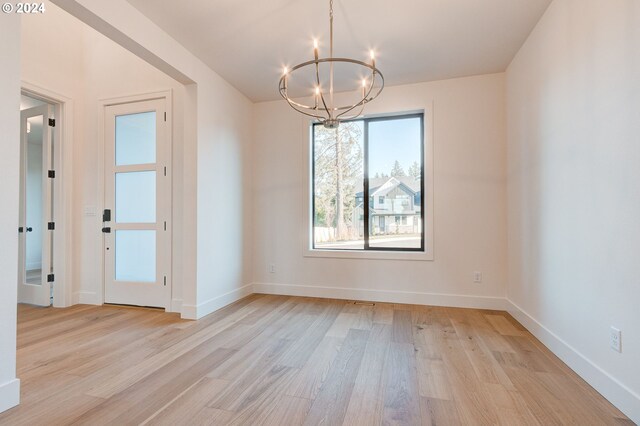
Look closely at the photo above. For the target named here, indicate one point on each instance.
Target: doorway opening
(36, 212)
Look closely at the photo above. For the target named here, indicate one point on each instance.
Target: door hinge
(165, 116)
(165, 280)
(51, 174)
(106, 230)
(165, 225)
(52, 122)
(50, 278)
(51, 226)
(21, 229)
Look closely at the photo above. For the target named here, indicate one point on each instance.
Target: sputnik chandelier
(324, 108)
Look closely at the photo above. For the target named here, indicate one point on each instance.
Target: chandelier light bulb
(317, 90)
(372, 54)
(315, 43)
(285, 71)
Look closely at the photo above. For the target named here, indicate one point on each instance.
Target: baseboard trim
(86, 298)
(176, 305)
(9, 394)
(617, 393)
(416, 298)
(195, 312)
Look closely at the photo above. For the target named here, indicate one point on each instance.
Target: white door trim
(63, 185)
(103, 104)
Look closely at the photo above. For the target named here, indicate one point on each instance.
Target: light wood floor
(286, 361)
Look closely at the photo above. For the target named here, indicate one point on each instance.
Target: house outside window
(381, 157)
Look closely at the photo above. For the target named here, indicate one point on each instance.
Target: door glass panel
(135, 255)
(33, 201)
(136, 197)
(136, 138)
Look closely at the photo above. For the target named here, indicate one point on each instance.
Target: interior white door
(137, 244)
(35, 237)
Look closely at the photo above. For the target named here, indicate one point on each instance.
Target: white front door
(136, 228)
(36, 222)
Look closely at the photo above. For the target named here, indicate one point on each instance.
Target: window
(367, 179)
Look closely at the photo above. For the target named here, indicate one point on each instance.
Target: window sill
(375, 255)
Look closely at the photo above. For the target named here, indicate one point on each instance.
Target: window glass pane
(338, 179)
(135, 255)
(136, 138)
(395, 176)
(136, 197)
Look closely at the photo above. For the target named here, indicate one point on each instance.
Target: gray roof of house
(375, 185)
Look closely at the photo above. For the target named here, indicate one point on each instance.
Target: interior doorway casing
(62, 189)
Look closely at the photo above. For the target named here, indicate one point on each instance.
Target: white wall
(216, 266)
(574, 193)
(9, 190)
(469, 201)
(87, 67)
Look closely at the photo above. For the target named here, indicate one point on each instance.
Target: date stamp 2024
(23, 8)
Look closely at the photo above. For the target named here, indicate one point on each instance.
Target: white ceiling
(248, 41)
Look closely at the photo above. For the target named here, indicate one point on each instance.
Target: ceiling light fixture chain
(331, 115)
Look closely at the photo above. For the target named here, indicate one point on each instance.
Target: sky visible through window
(383, 154)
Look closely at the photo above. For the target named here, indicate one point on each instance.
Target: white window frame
(307, 161)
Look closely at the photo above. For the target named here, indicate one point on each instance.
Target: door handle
(29, 229)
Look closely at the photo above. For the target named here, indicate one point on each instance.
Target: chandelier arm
(363, 101)
(318, 81)
(341, 115)
(299, 107)
(317, 117)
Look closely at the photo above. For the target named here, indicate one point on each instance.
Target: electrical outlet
(272, 268)
(615, 339)
(477, 277)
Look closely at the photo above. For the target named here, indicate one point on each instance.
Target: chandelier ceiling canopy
(319, 75)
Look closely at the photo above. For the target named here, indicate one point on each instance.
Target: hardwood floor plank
(302, 349)
(383, 313)
(289, 410)
(503, 326)
(439, 412)
(236, 395)
(180, 410)
(401, 395)
(402, 331)
(367, 398)
(330, 406)
(312, 375)
(262, 398)
(433, 380)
